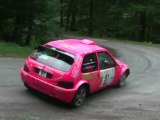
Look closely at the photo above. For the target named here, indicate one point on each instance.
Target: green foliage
(136, 19)
(25, 22)
(14, 50)
(22, 21)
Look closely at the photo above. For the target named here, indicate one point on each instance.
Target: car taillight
(67, 85)
(26, 68)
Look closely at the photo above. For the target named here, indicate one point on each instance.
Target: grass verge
(13, 50)
(143, 43)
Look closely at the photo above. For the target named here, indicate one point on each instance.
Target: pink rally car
(71, 69)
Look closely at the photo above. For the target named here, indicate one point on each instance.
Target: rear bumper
(63, 94)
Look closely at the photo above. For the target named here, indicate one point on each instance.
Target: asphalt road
(138, 100)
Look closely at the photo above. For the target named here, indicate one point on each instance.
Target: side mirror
(106, 62)
(110, 64)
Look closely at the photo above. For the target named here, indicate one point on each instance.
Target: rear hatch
(50, 64)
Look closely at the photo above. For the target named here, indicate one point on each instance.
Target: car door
(107, 68)
(90, 71)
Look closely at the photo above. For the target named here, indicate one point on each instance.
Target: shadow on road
(114, 52)
(99, 95)
(47, 99)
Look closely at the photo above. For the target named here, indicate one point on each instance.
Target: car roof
(76, 46)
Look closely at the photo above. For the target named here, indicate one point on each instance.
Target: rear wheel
(80, 96)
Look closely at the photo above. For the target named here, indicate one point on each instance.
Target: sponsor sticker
(107, 76)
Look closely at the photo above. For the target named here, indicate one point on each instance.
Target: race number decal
(107, 76)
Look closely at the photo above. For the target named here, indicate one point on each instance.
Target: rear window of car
(54, 57)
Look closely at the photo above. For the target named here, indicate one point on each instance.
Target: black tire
(122, 81)
(80, 97)
(27, 86)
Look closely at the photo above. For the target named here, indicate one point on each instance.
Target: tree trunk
(62, 13)
(29, 32)
(73, 17)
(73, 21)
(67, 21)
(142, 29)
(69, 10)
(17, 32)
(90, 27)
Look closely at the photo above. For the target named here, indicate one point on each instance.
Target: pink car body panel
(79, 48)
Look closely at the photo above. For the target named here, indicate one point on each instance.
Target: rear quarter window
(89, 63)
